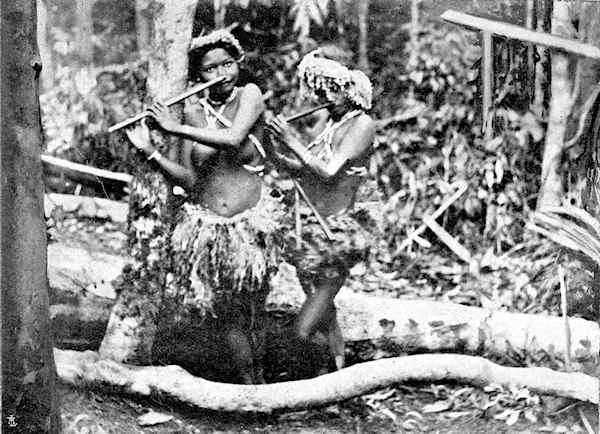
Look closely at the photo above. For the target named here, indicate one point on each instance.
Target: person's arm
(250, 109)
(354, 143)
(184, 174)
(281, 160)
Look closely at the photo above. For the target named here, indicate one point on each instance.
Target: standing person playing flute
(226, 243)
(330, 169)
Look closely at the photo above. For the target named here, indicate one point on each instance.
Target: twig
(461, 189)
(316, 213)
(82, 168)
(298, 219)
(563, 308)
(448, 239)
(586, 423)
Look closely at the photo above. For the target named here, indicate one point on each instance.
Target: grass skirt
(223, 264)
(317, 257)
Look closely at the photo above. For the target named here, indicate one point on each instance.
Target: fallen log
(88, 369)
(389, 326)
(82, 172)
(73, 268)
(87, 206)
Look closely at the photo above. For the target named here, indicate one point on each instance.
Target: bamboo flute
(169, 102)
(307, 112)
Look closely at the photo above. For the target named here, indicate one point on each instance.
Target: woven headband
(220, 36)
(319, 73)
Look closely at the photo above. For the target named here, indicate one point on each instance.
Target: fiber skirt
(317, 257)
(223, 264)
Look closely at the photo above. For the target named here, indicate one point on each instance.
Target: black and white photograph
(300, 216)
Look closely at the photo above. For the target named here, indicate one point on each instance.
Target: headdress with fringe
(220, 36)
(319, 73)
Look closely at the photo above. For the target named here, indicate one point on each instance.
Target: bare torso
(223, 184)
(339, 192)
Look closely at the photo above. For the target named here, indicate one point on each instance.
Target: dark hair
(195, 57)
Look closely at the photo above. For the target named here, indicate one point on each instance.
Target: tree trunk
(542, 71)
(363, 50)
(47, 75)
(132, 325)
(143, 24)
(28, 369)
(551, 190)
(85, 31)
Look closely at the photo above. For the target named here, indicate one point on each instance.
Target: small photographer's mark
(12, 420)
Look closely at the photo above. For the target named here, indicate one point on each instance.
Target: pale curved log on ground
(391, 326)
(87, 369)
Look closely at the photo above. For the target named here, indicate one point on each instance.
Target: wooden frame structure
(490, 28)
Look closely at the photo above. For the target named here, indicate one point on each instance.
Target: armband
(155, 156)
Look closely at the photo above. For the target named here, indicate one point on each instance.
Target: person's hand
(281, 132)
(160, 113)
(279, 128)
(139, 136)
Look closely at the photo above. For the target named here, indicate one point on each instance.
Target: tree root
(87, 369)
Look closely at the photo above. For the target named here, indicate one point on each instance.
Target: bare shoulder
(252, 91)
(362, 127)
(365, 122)
(252, 97)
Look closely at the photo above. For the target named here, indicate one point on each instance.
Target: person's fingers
(276, 127)
(157, 108)
(151, 113)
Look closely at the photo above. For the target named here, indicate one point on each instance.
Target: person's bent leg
(336, 341)
(317, 307)
(241, 353)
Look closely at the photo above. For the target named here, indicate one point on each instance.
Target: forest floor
(516, 282)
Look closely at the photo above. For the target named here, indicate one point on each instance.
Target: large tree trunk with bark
(132, 325)
(552, 190)
(175, 383)
(28, 370)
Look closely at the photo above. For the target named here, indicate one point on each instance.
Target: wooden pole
(512, 31)
(487, 77)
(563, 308)
(530, 24)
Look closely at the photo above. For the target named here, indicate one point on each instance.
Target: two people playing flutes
(233, 232)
